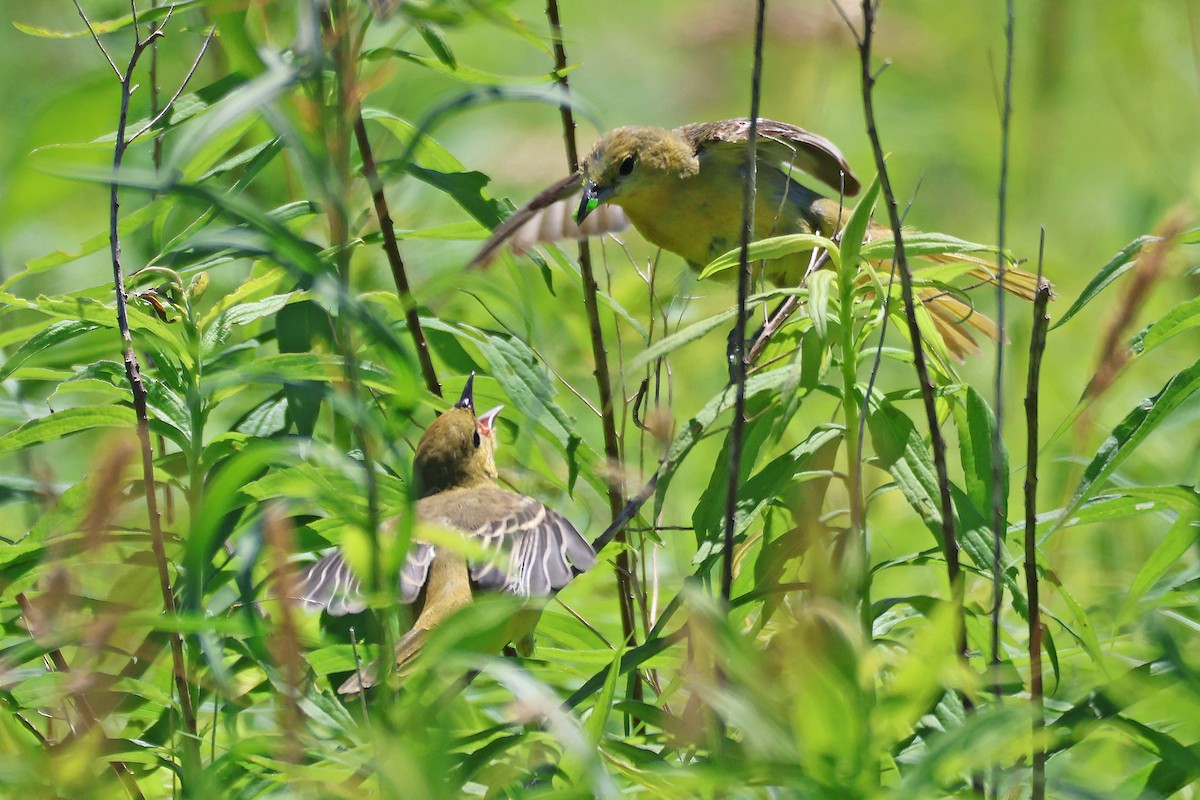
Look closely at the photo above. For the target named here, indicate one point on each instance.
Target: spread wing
(549, 217)
(332, 585)
(782, 145)
(532, 551)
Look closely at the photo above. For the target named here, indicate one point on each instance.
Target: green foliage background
(1106, 120)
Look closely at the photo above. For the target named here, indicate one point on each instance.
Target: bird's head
(630, 160)
(458, 448)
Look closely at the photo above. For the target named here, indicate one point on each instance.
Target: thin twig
(928, 391)
(187, 78)
(612, 450)
(1037, 346)
(630, 510)
(999, 498)
(138, 389)
(391, 248)
(96, 38)
(928, 394)
(749, 192)
(156, 150)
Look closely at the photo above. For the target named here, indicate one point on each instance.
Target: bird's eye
(627, 165)
(478, 440)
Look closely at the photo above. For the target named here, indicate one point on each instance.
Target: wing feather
(331, 584)
(531, 550)
(785, 146)
(549, 217)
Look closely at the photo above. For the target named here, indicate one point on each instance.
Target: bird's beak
(592, 196)
(486, 422)
(468, 396)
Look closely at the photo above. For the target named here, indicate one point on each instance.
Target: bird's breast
(699, 216)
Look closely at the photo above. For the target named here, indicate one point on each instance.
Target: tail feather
(1017, 281)
(946, 312)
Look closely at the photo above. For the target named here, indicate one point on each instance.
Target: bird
(531, 550)
(681, 189)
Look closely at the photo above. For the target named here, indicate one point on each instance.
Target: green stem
(852, 412)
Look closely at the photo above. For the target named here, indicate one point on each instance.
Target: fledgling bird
(533, 550)
(682, 190)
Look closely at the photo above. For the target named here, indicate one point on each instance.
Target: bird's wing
(550, 217)
(332, 585)
(533, 549)
(780, 144)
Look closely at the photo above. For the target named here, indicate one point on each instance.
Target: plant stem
(999, 498)
(1037, 346)
(391, 248)
(928, 395)
(138, 389)
(612, 451)
(737, 429)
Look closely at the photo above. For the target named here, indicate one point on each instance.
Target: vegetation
(290, 229)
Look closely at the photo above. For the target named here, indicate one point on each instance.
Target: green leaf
(217, 334)
(128, 224)
(52, 336)
(428, 152)
(856, 231)
(105, 26)
(517, 369)
(89, 310)
(234, 112)
(771, 248)
(1119, 503)
(53, 427)
(1131, 431)
(691, 333)
(976, 429)
(436, 40)
(1117, 266)
(918, 244)
(299, 328)
(820, 293)
(447, 66)
(694, 429)
(709, 514)
(1178, 540)
(252, 288)
(1182, 317)
(466, 189)
(285, 367)
(162, 403)
(902, 452)
(772, 482)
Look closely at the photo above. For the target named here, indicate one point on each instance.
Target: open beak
(468, 395)
(486, 422)
(592, 195)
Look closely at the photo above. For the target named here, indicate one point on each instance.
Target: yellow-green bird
(682, 190)
(532, 550)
